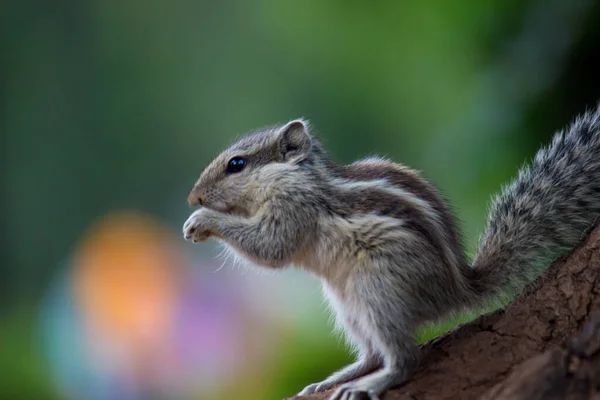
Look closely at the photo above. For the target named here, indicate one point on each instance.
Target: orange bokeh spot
(125, 278)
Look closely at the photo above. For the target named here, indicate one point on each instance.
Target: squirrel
(384, 241)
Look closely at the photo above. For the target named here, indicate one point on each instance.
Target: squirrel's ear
(294, 140)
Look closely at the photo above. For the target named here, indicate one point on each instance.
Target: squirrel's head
(244, 175)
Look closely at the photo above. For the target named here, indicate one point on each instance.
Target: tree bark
(533, 349)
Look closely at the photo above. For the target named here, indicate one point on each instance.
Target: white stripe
(418, 203)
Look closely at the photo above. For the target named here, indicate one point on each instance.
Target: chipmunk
(384, 241)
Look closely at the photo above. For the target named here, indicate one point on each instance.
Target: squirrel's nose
(194, 199)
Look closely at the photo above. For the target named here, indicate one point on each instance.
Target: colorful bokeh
(130, 318)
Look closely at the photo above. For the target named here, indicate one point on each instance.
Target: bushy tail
(544, 213)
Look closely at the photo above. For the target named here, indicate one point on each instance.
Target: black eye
(236, 164)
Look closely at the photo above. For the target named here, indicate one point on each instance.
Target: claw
(354, 391)
(314, 388)
(373, 395)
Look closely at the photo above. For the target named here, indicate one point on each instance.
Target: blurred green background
(111, 109)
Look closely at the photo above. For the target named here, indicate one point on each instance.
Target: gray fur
(383, 240)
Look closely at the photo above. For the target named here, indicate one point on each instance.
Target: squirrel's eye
(236, 164)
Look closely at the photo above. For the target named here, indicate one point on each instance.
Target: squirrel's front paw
(194, 228)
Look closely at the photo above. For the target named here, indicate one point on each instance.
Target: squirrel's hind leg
(388, 325)
(368, 360)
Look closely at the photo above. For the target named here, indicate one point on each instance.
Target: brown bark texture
(544, 345)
